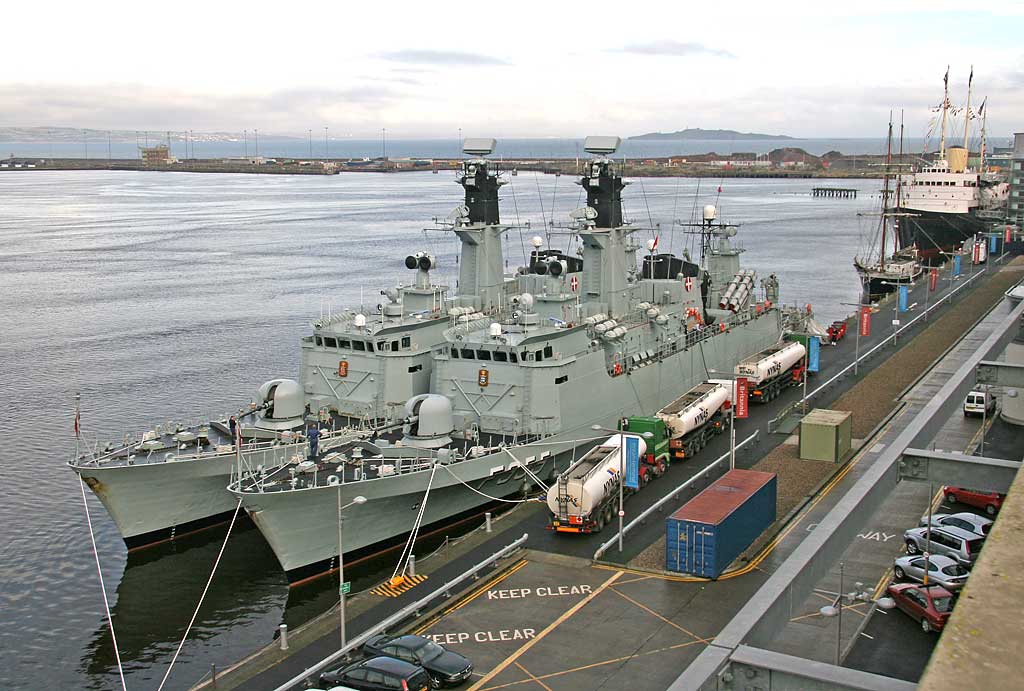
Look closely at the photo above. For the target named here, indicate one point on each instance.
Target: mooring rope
(202, 597)
(403, 560)
(103, 588)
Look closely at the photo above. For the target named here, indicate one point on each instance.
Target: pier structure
(840, 192)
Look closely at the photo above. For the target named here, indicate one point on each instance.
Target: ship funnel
(957, 157)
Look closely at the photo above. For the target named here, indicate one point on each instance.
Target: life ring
(333, 481)
(617, 369)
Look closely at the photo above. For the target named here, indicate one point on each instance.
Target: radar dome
(710, 212)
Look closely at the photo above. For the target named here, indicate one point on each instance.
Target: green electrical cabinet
(826, 435)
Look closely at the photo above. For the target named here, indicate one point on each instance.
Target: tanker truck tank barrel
(694, 408)
(587, 483)
(771, 362)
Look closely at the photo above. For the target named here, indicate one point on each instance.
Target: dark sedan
(379, 674)
(445, 667)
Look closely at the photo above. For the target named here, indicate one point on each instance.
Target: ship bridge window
(344, 343)
(538, 356)
(455, 353)
(394, 345)
(330, 342)
(500, 356)
(512, 357)
(369, 346)
(548, 351)
(483, 354)
(319, 341)
(467, 354)
(406, 342)
(358, 346)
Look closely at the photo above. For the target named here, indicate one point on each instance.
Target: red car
(930, 605)
(990, 501)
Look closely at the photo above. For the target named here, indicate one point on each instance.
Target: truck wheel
(600, 522)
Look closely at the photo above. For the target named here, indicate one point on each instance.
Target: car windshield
(942, 604)
(954, 570)
(429, 651)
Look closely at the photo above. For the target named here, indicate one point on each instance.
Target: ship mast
(967, 111)
(885, 194)
(984, 115)
(945, 108)
(899, 188)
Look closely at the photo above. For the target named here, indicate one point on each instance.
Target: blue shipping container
(712, 529)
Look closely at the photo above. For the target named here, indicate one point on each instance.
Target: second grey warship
(529, 363)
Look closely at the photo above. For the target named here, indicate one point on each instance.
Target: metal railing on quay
(885, 341)
(674, 494)
(401, 615)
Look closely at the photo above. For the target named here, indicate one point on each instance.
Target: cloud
(132, 106)
(452, 58)
(674, 49)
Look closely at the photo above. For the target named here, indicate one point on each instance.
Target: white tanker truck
(773, 369)
(695, 417)
(584, 499)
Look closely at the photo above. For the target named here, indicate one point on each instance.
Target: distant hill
(709, 135)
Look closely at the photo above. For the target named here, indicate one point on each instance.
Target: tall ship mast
(947, 202)
(886, 273)
(530, 361)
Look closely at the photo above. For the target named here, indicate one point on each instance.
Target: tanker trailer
(773, 369)
(695, 417)
(585, 496)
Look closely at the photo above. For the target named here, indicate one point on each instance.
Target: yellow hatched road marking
(388, 590)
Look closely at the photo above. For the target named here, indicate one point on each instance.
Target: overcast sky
(521, 69)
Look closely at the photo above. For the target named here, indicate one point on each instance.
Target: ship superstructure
(946, 202)
(542, 355)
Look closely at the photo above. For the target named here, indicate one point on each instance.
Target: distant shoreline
(863, 167)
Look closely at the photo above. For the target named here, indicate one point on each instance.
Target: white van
(979, 403)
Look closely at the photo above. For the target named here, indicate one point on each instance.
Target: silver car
(948, 541)
(944, 571)
(971, 522)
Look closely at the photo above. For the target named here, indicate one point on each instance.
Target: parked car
(446, 668)
(930, 605)
(979, 403)
(970, 522)
(942, 570)
(948, 541)
(379, 674)
(978, 498)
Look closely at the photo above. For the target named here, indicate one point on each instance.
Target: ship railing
(409, 611)
(673, 495)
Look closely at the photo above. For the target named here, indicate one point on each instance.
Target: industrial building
(1015, 210)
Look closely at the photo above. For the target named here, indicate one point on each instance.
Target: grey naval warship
(526, 364)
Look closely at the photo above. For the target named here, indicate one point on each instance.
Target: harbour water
(171, 296)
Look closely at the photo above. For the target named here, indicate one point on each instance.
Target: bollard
(412, 565)
(283, 628)
(213, 675)
(487, 519)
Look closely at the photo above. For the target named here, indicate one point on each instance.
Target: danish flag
(689, 283)
(574, 283)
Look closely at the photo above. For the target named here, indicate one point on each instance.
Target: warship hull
(935, 233)
(297, 523)
(165, 500)
(154, 502)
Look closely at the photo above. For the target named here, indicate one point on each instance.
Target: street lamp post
(341, 563)
(836, 609)
(622, 469)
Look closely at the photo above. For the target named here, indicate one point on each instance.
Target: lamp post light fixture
(341, 562)
(622, 468)
(843, 599)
